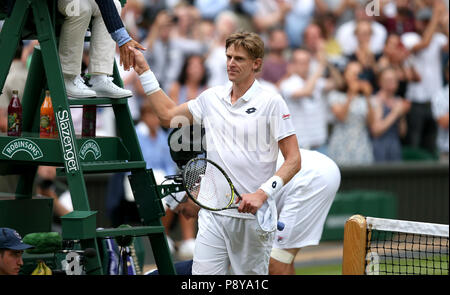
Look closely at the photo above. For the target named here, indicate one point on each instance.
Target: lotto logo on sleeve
(286, 116)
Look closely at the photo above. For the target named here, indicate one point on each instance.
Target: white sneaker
(77, 89)
(106, 88)
(186, 249)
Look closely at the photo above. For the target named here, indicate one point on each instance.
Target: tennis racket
(207, 184)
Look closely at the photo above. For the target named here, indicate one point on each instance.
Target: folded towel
(267, 216)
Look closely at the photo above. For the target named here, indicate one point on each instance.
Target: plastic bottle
(15, 115)
(47, 122)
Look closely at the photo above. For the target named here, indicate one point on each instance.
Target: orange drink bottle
(47, 122)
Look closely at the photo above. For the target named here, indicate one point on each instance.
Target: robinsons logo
(22, 145)
(67, 143)
(90, 146)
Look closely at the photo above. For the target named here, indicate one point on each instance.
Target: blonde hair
(250, 41)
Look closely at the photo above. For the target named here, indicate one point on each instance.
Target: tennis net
(397, 247)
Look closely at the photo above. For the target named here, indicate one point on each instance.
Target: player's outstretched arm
(165, 108)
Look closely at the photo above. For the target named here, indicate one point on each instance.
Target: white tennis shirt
(243, 138)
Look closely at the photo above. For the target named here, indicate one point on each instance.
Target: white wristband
(272, 186)
(149, 82)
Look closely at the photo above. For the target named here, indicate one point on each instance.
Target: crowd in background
(365, 81)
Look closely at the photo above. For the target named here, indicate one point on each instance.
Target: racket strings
(208, 185)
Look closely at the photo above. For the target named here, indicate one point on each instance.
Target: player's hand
(140, 64)
(250, 203)
(127, 56)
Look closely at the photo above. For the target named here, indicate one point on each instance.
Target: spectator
(11, 250)
(305, 97)
(389, 123)
(293, 15)
(327, 24)
(210, 9)
(15, 80)
(313, 41)
(164, 58)
(347, 39)
(426, 48)
(46, 176)
(298, 19)
(275, 63)
(184, 38)
(364, 54)
(192, 80)
(270, 13)
(132, 14)
(153, 141)
(395, 55)
(349, 141)
(440, 112)
(344, 10)
(216, 62)
(402, 20)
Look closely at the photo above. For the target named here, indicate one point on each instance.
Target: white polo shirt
(243, 138)
(309, 114)
(427, 63)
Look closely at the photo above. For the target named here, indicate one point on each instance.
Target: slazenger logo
(22, 145)
(67, 142)
(90, 146)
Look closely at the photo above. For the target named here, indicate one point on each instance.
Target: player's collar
(247, 95)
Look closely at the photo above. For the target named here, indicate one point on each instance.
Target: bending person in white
(303, 205)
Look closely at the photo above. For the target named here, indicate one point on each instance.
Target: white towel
(267, 216)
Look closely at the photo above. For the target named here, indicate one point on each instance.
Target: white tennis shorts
(230, 245)
(304, 202)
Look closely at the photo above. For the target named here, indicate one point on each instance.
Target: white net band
(412, 227)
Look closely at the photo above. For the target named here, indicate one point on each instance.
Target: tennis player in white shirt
(246, 126)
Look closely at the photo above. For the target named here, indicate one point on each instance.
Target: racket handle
(280, 225)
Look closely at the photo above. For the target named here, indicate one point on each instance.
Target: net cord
(413, 227)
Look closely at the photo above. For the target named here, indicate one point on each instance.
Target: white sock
(98, 78)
